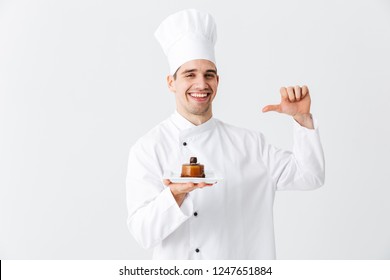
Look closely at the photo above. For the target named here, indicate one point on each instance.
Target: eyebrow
(195, 70)
(212, 71)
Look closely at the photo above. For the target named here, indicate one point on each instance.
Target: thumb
(166, 182)
(269, 108)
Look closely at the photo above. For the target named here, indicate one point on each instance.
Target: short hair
(175, 74)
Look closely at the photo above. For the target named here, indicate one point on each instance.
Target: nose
(201, 83)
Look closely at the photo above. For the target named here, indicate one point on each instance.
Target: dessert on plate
(193, 169)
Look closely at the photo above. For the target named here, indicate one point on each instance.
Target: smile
(198, 95)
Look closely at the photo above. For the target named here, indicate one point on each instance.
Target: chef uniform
(233, 219)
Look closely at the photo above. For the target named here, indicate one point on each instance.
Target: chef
(233, 218)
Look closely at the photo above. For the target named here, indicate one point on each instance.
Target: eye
(190, 75)
(210, 76)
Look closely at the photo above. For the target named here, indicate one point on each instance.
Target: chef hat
(187, 35)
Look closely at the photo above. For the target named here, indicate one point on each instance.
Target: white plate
(210, 178)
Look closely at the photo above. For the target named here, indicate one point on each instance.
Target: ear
(171, 83)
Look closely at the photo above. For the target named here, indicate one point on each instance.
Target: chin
(200, 112)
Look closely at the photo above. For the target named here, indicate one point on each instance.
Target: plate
(210, 178)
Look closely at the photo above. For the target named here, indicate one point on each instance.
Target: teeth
(198, 94)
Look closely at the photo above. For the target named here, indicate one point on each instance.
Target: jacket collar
(187, 128)
(181, 122)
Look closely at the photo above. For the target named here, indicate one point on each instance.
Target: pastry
(193, 169)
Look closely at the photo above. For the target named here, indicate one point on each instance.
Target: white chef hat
(187, 35)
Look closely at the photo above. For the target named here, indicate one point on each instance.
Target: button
(195, 214)
(197, 250)
(184, 143)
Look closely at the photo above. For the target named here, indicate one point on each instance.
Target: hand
(295, 101)
(179, 190)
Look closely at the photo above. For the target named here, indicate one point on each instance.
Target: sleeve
(153, 213)
(301, 169)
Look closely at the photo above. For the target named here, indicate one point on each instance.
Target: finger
(180, 186)
(269, 108)
(305, 90)
(186, 187)
(283, 93)
(297, 90)
(202, 185)
(291, 95)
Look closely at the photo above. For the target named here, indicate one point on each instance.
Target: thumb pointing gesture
(294, 100)
(276, 108)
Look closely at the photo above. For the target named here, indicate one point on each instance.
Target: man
(232, 219)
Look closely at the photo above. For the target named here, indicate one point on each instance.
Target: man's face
(195, 87)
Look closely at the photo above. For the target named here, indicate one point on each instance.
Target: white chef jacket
(233, 219)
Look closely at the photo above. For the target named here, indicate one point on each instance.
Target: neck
(196, 119)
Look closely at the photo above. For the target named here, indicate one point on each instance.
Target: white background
(81, 80)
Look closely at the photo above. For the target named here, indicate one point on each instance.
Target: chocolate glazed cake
(193, 169)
